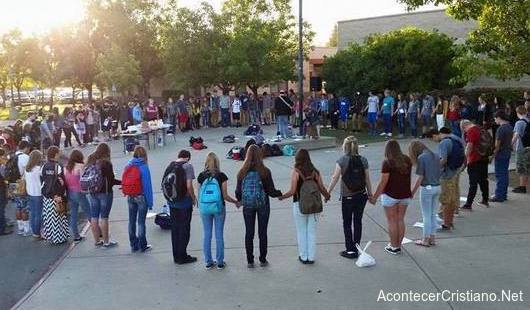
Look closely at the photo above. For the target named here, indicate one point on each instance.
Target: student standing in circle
(355, 190)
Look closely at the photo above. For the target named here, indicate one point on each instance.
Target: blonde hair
(212, 162)
(35, 159)
(350, 146)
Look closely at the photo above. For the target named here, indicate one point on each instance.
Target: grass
(362, 136)
(23, 110)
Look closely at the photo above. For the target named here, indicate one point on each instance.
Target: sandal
(432, 242)
(422, 243)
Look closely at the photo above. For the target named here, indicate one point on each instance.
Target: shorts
(100, 205)
(522, 162)
(387, 201)
(450, 191)
(21, 203)
(236, 116)
(372, 117)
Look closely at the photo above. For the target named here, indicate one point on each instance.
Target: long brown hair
(302, 162)
(415, 150)
(102, 152)
(76, 157)
(35, 159)
(396, 158)
(253, 161)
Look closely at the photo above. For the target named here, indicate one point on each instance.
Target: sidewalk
(487, 252)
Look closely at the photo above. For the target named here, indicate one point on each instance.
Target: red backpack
(131, 181)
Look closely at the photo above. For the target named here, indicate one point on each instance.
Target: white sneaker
(382, 134)
(389, 134)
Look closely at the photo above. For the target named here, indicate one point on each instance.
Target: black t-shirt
(219, 176)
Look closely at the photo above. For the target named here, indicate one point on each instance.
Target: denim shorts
(21, 203)
(100, 205)
(387, 201)
(372, 117)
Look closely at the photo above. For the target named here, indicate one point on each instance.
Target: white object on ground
(406, 240)
(365, 259)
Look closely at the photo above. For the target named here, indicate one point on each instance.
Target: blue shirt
(324, 105)
(388, 105)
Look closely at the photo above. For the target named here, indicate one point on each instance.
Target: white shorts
(387, 201)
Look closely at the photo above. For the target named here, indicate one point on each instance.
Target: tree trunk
(51, 99)
(73, 96)
(18, 94)
(3, 97)
(147, 87)
(89, 88)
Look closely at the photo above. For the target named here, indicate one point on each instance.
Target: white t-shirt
(373, 104)
(23, 159)
(236, 106)
(33, 184)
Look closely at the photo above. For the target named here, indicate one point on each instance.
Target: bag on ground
(130, 144)
(354, 177)
(210, 197)
(163, 220)
(310, 200)
(253, 130)
(288, 150)
(174, 185)
(266, 150)
(275, 150)
(253, 194)
(91, 179)
(131, 181)
(365, 259)
(229, 139)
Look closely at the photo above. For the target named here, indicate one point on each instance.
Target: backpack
(259, 139)
(91, 179)
(288, 150)
(131, 181)
(229, 139)
(163, 220)
(198, 146)
(525, 139)
(252, 193)
(275, 150)
(354, 177)
(253, 130)
(456, 158)
(266, 150)
(485, 145)
(12, 174)
(174, 185)
(130, 144)
(210, 197)
(309, 200)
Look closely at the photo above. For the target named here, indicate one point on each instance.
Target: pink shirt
(72, 178)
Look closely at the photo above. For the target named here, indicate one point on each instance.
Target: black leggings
(478, 176)
(249, 214)
(352, 211)
(180, 232)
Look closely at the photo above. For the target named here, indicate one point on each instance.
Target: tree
(408, 59)
(4, 75)
(334, 38)
(118, 69)
(501, 42)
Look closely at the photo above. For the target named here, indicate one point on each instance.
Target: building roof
(318, 52)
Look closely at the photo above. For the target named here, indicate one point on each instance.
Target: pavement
(486, 253)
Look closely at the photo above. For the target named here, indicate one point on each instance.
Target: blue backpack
(253, 195)
(210, 197)
(456, 158)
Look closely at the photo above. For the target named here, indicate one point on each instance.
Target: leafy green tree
(334, 38)
(4, 75)
(118, 69)
(500, 44)
(408, 59)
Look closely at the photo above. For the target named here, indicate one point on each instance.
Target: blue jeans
(413, 123)
(401, 123)
(501, 175)
(429, 207)
(387, 121)
(137, 213)
(255, 117)
(427, 120)
(225, 117)
(3, 204)
(208, 221)
(100, 205)
(306, 226)
(206, 118)
(283, 121)
(76, 199)
(455, 128)
(35, 219)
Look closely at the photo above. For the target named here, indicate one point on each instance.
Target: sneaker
(20, 232)
(110, 244)
(495, 199)
(147, 248)
(250, 265)
(264, 263)
(389, 134)
(519, 190)
(221, 266)
(382, 134)
(447, 227)
(485, 203)
(78, 239)
(209, 266)
(466, 207)
(301, 260)
(349, 254)
(187, 260)
(6, 232)
(392, 250)
(99, 243)
(309, 262)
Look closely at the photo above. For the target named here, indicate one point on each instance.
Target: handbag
(20, 188)
(61, 207)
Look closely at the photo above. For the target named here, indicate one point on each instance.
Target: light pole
(300, 69)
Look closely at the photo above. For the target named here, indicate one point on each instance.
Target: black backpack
(174, 185)
(163, 220)
(12, 174)
(525, 139)
(354, 177)
(266, 150)
(276, 151)
(456, 158)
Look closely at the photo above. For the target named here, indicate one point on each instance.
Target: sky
(39, 16)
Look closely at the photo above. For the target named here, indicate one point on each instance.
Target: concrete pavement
(487, 252)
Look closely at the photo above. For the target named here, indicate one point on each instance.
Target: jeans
(137, 213)
(249, 215)
(429, 196)
(501, 175)
(208, 221)
(35, 219)
(180, 231)
(387, 121)
(427, 120)
(401, 123)
(478, 175)
(352, 211)
(413, 123)
(455, 128)
(206, 118)
(100, 205)
(283, 121)
(3, 204)
(225, 117)
(306, 226)
(76, 199)
(255, 117)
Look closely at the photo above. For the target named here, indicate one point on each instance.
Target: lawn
(23, 110)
